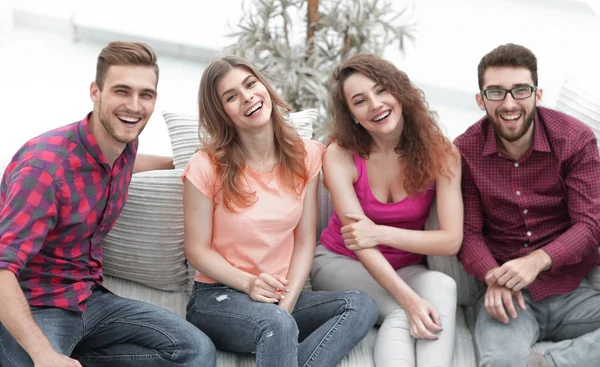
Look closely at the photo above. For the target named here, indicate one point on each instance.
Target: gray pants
(574, 317)
(395, 346)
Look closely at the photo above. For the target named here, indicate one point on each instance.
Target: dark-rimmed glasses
(498, 94)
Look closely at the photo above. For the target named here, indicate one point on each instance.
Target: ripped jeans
(321, 331)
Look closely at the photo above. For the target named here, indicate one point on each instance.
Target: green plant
(299, 43)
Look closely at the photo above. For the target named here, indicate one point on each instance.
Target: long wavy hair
(422, 143)
(219, 137)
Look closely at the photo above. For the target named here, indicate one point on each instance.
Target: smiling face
(245, 99)
(512, 119)
(372, 106)
(124, 105)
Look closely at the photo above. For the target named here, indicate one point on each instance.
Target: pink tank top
(409, 213)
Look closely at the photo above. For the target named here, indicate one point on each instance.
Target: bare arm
(198, 223)
(340, 174)
(16, 317)
(304, 246)
(148, 162)
(445, 241)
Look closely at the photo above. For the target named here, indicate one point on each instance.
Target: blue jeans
(572, 319)
(115, 331)
(321, 331)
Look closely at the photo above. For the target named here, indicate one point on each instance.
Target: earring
(356, 122)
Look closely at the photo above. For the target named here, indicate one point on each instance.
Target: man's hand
(54, 359)
(361, 234)
(519, 273)
(499, 299)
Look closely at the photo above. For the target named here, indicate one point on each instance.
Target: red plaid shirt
(549, 198)
(58, 198)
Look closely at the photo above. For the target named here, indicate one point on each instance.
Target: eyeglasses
(516, 93)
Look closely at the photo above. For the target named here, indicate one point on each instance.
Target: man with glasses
(531, 188)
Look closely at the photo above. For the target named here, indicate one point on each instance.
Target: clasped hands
(269, 288)
(504, 283)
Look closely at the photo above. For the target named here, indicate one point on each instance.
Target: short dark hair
(124, 53)
(510, 55)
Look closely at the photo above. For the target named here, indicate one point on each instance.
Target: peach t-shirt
(259, 238)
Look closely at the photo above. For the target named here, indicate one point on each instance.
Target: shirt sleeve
(474, 254)
(201, 173)
(29, 211)
(582, 174)
(314, 157)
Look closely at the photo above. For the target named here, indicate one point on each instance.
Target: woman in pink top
(387, 161)
(250, 207)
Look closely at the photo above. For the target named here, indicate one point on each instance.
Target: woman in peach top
(250, 207)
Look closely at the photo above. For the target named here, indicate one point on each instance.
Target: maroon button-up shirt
(549, 199)
(58, 199)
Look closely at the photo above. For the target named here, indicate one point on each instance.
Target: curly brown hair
(422, 142)
(220, 139)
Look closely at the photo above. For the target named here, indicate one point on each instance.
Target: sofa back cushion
(579, 97)
(146, 243)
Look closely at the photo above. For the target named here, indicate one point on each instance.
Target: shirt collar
(91, 145)
(540, 139)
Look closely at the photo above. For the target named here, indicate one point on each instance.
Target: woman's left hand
(361, 234)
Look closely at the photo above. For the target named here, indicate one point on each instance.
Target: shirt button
(516, 165)
(525, 211)
(528, 234)
(518, 193)
(525, 245)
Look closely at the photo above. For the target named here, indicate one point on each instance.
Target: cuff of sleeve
(555, 250)
(13, 268)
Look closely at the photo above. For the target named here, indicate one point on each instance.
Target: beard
(112, 131)
(112, 126)
(507, 135)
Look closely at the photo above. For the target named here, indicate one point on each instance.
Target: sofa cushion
(146, 243)
(183, 132)
(579, 97)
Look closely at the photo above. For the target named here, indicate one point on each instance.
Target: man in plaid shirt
(531, 189)
(60, 195)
